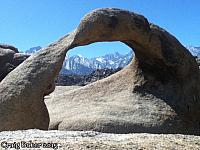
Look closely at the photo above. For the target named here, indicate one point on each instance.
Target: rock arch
(161, 81)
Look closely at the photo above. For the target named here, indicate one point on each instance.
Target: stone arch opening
(156, 74)
(159, 59)
(151, 52)
(99, 55)
(158, 92)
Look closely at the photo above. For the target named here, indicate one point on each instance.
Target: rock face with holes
(158, 92)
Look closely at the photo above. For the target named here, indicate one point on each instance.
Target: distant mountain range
(80, 65)
(195, 51)
(82, 80)
(33, 50)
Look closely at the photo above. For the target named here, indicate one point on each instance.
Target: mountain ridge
(80, 65)
(194, 50)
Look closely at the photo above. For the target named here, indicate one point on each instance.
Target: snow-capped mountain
(33, 50)
(78, 64)
(195, 51)
(113, 61)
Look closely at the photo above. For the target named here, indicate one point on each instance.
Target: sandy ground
(28, 139)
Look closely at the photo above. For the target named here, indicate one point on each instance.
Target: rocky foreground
(95, 140)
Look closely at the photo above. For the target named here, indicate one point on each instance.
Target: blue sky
(28, 23)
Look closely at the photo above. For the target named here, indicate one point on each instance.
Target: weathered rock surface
(63, 140)
(159, 92)
(10, 58)
(6, 46)
(22, 91)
